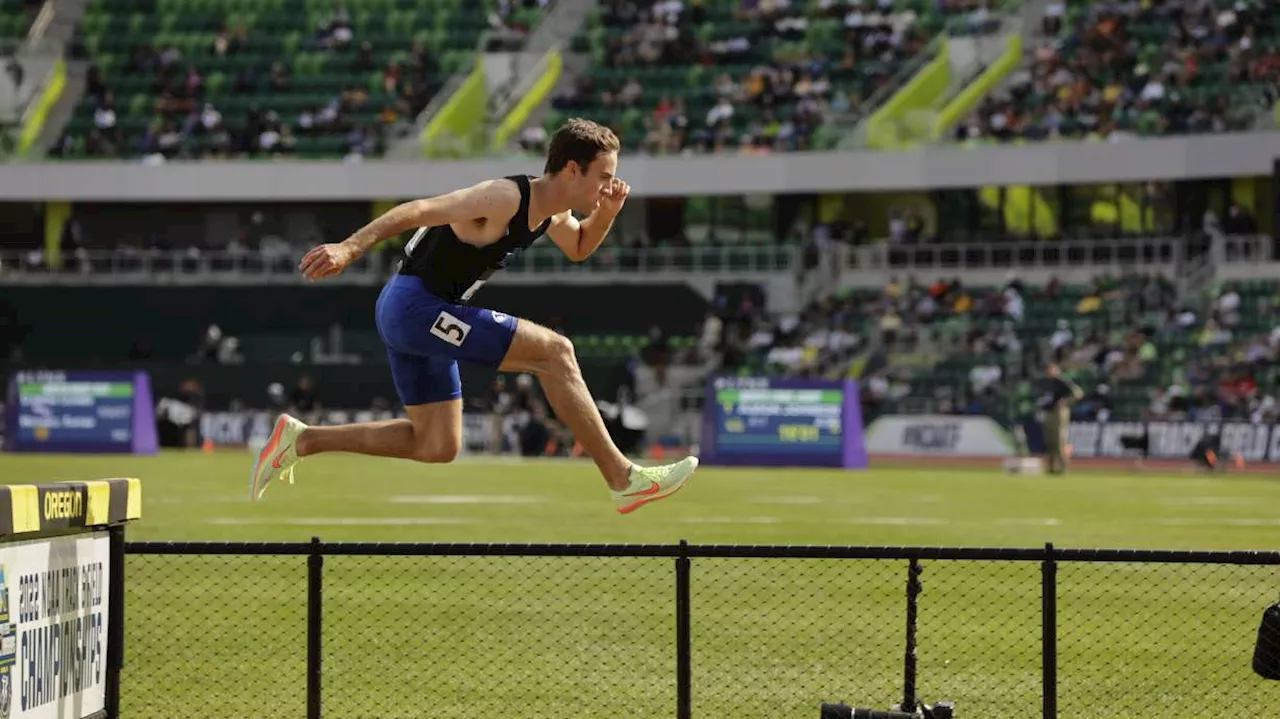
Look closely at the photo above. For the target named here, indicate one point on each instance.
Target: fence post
(115, 621)
(1049, 642)
(684, 677)
(909, 663)
(315, 595)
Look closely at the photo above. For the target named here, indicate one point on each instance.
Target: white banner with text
(1175, 440)
(940, 435)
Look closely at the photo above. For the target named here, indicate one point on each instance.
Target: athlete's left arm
(578, 240)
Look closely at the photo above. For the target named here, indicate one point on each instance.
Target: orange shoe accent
(653, 488)
(637, 505)
(272, 443)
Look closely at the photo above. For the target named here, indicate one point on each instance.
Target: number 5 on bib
(450, 329)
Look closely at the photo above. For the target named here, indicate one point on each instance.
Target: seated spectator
(1114, 75)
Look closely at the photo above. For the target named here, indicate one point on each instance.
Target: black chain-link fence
(498, 636)
(215, 636)
(594, 631)
(1137, 640)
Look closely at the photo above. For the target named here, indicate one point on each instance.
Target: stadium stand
(1139, 344)
(756, 76)
(16, 17)
(1113, 70)
(1137, 350)
(223, 78)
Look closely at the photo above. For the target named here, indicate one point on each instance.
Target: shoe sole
(272, 445)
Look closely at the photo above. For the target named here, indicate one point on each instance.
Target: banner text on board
(62, 641)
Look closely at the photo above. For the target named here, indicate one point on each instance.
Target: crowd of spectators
(186, 121)
(739, 336)
(785, 96)
(1132, 69)
(1231, 370)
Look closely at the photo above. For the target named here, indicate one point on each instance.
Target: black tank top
(453, 269)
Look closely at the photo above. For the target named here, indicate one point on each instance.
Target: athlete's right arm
(494, 200)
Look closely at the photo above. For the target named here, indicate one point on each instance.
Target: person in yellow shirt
(1090, 304)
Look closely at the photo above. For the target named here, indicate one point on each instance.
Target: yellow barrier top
(34, 508)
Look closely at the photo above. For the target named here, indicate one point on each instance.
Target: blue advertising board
(767, 422)
(80, 411)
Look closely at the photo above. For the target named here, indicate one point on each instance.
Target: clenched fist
(614, 197)
(326, 261)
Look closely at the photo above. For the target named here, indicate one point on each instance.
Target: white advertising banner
(251, 428)
(941, 435)
(1175, 440)
(53, 627)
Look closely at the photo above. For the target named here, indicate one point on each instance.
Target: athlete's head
(584, 156)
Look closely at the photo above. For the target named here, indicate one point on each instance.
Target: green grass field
(218, 636)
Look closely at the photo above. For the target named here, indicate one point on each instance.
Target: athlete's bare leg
(432, 433)
(550, 357)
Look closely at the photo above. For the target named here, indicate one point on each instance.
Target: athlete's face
(593, 183)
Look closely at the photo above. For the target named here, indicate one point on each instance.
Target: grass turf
(219, 636)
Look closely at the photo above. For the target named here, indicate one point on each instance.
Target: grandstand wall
(937, 167)
(536, 94)
(34, 119)
(983, 84)
(459, 128)
(886, 128)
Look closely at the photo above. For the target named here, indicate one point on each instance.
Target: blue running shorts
(426, 336)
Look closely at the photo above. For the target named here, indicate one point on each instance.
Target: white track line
(731, 520)
(901, 521)
(1030, 522)
(337, 521)
(1208, 501)
(464, 499)
(1219, 522)
(797, 499)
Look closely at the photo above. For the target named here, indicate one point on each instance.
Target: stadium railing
(985, 255)
(562, 630)
(1143, 253)
(186, 266)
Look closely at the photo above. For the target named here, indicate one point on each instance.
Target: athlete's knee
(435, 445)
(560, 356)
(562, 350)
(439, 451)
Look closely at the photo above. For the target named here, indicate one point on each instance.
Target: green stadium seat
(691, 77)
(114, 32)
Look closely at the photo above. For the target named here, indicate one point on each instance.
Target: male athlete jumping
(427, 324)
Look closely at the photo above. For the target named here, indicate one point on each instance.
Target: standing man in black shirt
(1055, 402)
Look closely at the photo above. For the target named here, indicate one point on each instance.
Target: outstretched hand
(614, 197)
(326, 261)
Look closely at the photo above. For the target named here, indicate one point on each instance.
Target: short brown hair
(579, 141)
